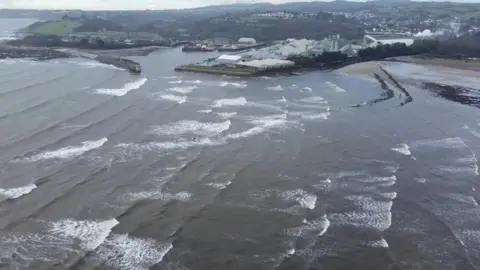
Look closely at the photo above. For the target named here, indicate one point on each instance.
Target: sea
(102, 169)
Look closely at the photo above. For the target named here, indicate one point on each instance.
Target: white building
(247, 41)
(229, 59)
(374, 41)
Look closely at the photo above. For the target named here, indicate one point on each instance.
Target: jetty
(119, 62)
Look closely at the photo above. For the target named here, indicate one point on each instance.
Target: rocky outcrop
(38, 54)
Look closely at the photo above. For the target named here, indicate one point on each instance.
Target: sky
(127, 4)
(123, 4)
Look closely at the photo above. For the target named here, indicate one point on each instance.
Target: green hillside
(58, 28)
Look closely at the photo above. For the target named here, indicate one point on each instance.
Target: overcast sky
(127, 4)
(123, 4)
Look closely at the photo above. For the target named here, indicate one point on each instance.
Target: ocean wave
(93, 64)
(275, 88)
(68, 152)
(227, 115)
(262, 124)
(309, 89)
(182, 90)
(283, 99)
(403, 149)
(336, 87)
(447, 143)
(90, 233)
(122, 251)
(170, 145)
(241, 101)
(15, 193)
(314, 99)
(233, 84)
(205, 111)
(192, 127)
(175, 82)
(160, 195)
(305, 199)
(220, 185)
(310, 229)
(177, 99)
(382, 243)
(122, 91)
(372, 213)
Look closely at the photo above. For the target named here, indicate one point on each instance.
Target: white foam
(403, 149)
(160, 195)
(182, 90)
(233, 84)
(310, 229)
(305, 199)
(266, 78)
(126, 252)
(336, 87)
(363, 219)
(275, 88)
(472, 160)
(205, 111)
(177, 99)
(448, 143)
(389, 195)
(175, 82)
(123, 90)
(313, 100)
(90, 233)
(472, 170)
(382, 243)
(170, 145)
(463, 198)
(315, 116)
(169, 77)
(262, 124)
(421, 180)
(220, 185)
(14, 193)
(192, 127)
(93, 64)
(476, 134)
(194, 82)
(309, 89)
(241, 101)
(291, 251)
(283, 99)
(370, 204)
(227, 115)
(68, 152)
(389, 179)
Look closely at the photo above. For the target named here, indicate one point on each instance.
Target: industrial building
(375, 40)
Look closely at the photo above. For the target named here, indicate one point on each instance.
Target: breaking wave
(122, 91)
(14, 193)
(128, 252)
(177, 99)
(193, 127)
(182, 90)
(68, 152)
(160, 195)
(275, 88)
(335, 87)
(241, 101)
(90, 233)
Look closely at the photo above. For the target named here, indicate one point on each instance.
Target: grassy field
(58, 28)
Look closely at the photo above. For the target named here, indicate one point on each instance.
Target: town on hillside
(257, 38)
